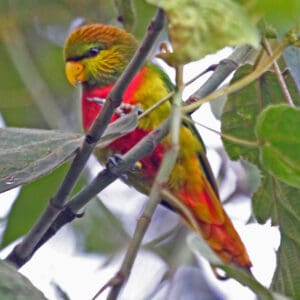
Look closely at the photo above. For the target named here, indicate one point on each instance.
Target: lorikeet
(95, 56)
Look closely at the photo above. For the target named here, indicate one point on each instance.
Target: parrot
(95, 56)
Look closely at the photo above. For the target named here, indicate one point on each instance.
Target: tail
(213, 223)
(226, 243)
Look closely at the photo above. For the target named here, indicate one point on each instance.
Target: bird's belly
(150, 164)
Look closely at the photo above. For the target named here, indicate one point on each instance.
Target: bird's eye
(93, 52)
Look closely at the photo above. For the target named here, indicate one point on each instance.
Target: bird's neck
(99, 84)
(92, 101)
(93, 96)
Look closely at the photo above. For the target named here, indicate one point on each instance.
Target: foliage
(193, 36)
(27, 154)
(260, 120)
(13, 285)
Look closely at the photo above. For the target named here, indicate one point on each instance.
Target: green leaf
(263, 201)
(199, 27)
(280, 201)
(26, 210)
(280, 13)
(239, 120)
(278, 129)
(15, 286)
(144, 13)
(274, 198)
(32, 199)
(242, 108)
(99, 230)
(26, 154)
(287, 276)
(286, 208)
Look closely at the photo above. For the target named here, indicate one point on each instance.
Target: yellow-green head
(97, 54)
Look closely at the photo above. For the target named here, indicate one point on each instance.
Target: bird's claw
(114, 161)
(122, 110)
(136, 167)
(126, 108)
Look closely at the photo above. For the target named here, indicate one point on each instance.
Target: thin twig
(252, 144)
(153, 243)
(71, 211)
(278, 73)
(226, 66)
(25, 249)
(154, 197)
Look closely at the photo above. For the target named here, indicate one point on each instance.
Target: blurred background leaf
(26, 154)
(32, 200)
(13, 285)
(99, 230)
(126, 14)
(194, 28)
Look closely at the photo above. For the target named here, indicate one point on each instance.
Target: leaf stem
(278, 73)
(252, 144)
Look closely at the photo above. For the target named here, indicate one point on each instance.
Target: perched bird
(95, 57)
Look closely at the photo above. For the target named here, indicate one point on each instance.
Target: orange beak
(75, 72)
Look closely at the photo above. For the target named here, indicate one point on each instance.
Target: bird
(95, 56)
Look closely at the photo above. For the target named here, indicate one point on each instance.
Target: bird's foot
(136, 167)
(126, 108)
(113, 162)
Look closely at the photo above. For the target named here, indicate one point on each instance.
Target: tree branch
(69, 212)
(160, 182)
(278, 73)
(163, 174)
(24, 250)
(197, 101)
(101, 181)
(226, 66)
